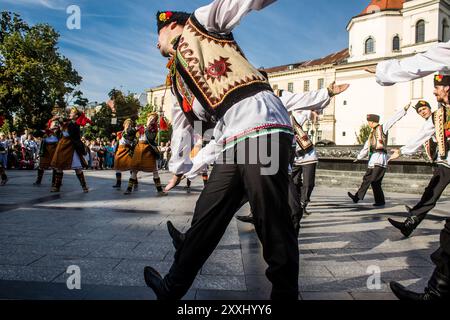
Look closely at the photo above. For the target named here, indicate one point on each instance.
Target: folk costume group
(226, 113)
(137, 151)
(62, 149)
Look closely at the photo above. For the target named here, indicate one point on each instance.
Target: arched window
(369, 46)
(396, 43)
(420, 31)
(445, 31)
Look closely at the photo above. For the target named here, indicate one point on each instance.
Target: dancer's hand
(372, 70)
(395, 155)
(175, 181)
(334, 89)
(408, 106)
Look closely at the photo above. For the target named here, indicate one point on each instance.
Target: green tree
(127, 106)
(364, 133)
(34, 76)
(144, 112)
(6, 128)
(76, 98)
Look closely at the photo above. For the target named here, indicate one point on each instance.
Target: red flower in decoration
(163, 124)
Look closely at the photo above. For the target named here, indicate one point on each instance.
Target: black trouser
(373, 177)
(437, 185)
(440, 280)
(220, 200)
(304, 177)
(294, 204)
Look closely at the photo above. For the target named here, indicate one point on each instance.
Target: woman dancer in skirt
(50, 139)
(70, 152)
(126, 142)
(146, 154)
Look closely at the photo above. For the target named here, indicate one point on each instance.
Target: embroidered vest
(441, 120)
(301, 136)
(211, 68)
(431, 150)
(377, 140)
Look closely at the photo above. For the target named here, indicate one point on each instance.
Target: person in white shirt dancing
(376, 148)
(214, 84)
(436, 133)
(436, 59)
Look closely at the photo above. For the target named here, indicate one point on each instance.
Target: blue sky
(116, 45)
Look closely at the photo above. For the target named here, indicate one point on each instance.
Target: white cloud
(51, 4)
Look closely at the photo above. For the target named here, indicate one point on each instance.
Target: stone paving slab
(113, 237)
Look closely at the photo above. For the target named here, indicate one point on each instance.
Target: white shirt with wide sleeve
(436, 59)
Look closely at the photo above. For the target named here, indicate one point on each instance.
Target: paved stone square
(111, 237)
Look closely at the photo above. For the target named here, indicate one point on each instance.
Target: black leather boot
(81, 178)
(118, 184)
(154, 281)
(53, 177)
(58, 182)
(40, 175)
(407, 227)
(3, 176)
(246, 219)
(403, 294)
(177, 236)
(131, 183)
(353, 197)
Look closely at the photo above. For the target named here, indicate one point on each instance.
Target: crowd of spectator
(22, 152)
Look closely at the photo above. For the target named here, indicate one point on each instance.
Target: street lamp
(316, 127)
(308, 127)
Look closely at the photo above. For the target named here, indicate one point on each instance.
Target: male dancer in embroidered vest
(50, 138)
(376, 149)
(436, 134)
(392, 71)
(215, 84)
(146, 154)
(70, 151)
(423, 108)
(125, 144)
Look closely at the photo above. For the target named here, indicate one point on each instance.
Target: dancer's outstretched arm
(222, 16)
(436, 59)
